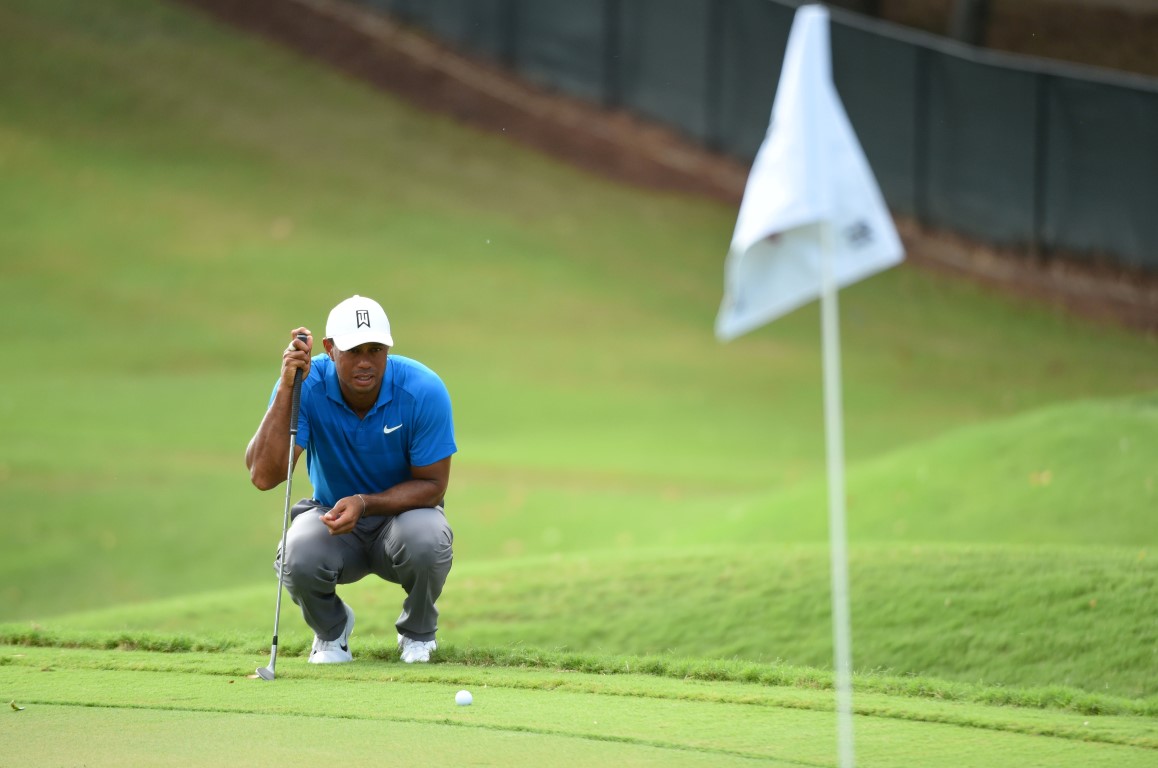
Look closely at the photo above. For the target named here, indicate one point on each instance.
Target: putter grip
(295, 400)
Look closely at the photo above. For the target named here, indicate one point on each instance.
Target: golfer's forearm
(411, 494)
(266, 455)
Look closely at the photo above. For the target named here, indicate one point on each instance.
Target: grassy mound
(1073, 618)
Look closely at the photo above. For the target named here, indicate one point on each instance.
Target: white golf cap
(358, 320)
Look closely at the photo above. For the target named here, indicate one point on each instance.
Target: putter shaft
(269, 672)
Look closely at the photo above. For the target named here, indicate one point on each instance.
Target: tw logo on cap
(358, 320)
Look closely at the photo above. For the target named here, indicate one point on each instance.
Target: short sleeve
(433, 437)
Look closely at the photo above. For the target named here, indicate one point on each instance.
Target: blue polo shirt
(409, 425)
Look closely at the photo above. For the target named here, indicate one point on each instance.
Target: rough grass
(1072, 619)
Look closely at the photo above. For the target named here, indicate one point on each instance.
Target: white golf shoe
(415, 650)
(334, 651)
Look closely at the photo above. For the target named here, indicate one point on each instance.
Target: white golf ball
(463, 698)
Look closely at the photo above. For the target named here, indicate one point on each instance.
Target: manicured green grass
(175, 198)
(204, 708)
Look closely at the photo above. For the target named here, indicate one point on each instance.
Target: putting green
(133, 708)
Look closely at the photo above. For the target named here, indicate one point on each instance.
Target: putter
(267, 672)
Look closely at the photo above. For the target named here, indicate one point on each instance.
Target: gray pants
(412, 549)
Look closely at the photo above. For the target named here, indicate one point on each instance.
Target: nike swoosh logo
(388, 430)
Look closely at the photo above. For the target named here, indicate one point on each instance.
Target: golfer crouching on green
(378, 435)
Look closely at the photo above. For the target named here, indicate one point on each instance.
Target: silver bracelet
(363, 503)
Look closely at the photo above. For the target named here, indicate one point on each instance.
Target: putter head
(265, 673)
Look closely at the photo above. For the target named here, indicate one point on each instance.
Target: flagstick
(834, 437)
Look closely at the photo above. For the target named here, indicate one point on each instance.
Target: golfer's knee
(307, 556)
(427, 539)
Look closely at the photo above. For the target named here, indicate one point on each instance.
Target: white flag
(810, 173)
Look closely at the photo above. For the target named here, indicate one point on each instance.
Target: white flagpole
(838, 554)
(811, 188)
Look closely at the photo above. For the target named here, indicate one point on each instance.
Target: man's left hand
(344, 515)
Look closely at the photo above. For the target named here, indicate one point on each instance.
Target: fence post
(970, 18)
(1038, 247)
(921, 120)
(713, 67)
(612, 52)
(509, 45)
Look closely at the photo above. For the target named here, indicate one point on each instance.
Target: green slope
(175, 197)
(1073, 618)
(1083, 472)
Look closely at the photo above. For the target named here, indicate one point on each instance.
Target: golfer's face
(360, 368)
